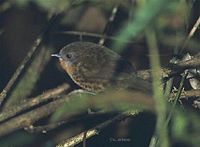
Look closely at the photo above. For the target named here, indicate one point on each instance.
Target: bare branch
(194, 28)
(188, 94)
(79, 33)
(74, 104)
(111, 19)
(44, 128)
(95, 131)
(31, 102)
(25, 120)
(53, 125)
(29, 55)
(194, 62)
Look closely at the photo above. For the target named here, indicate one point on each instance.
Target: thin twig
(95, 131)
(188, 94)
(31, 102)
(28, 80)
(194, 62)
(84, 138)
(166, 40)
(79, 33)
(25, 120)
(30, 117)
(76, 104)
(44, 128)
(193, 30)
(111, 19)
(166, 73)
(53, 125)
(29, 55)
(176, 98)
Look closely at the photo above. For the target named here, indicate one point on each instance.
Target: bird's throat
(69, 69)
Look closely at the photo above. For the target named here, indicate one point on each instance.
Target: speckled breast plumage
(85, 83)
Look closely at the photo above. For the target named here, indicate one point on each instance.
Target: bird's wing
(112, 66)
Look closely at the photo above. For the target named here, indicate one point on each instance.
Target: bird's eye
(69, 55)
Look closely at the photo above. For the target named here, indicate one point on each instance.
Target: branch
(26, 84)
(188, 94)
(24, 63)
(74, 104)
(95, 131)
(194, 62)
(168, 40)
(31, 102)
(166, 73)
(194, 28)
(79, 33)
(44, 128)
(51, 126)
(30, 117)
(108, 25)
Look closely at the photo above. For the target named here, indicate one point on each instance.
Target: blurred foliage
(111, 100)
(160, 102)
(176, 15)
(186, 126)
(180, 125)
(143, 16)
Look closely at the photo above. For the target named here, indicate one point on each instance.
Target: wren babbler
(94, 68)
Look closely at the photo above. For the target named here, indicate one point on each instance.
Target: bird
(96, 68)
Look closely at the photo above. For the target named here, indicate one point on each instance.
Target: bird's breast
(86, 83)
(69, 69)
(93, 85)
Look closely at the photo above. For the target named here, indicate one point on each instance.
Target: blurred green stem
(143, 16)
(160, 102)
(176, 98)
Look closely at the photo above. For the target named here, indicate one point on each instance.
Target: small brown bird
(95, 68)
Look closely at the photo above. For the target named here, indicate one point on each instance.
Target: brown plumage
(95, 68)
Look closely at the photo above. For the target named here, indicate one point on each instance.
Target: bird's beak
(56, 55)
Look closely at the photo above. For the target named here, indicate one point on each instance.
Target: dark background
(21, 25)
